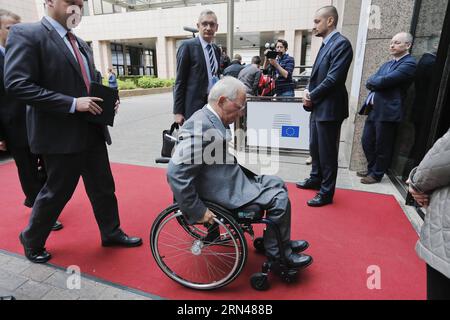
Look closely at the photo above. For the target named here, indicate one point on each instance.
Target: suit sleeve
(403, 74)
(256, 82)
(22, 73)
(337, 73)
(182, 172)
(183, 69)
(433, 171)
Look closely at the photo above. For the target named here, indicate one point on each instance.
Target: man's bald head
(401, 44)
(329, 11)
(325, 21)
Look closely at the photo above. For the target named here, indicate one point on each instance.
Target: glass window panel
(107, 7)
(97, 6)
(414, 131)
(85, 8)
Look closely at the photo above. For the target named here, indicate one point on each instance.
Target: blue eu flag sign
(290, 132)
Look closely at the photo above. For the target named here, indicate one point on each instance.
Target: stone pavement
(136, 139)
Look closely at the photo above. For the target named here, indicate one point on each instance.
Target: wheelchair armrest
(163, 160)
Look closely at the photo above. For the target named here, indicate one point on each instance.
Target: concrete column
(297, 50)
(171, 58)
(289, 36)
(161, 57)
(102, 55)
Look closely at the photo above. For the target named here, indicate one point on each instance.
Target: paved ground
(137, 140)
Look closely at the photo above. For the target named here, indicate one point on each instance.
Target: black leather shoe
(7, 298)
(57, 226)
(35, 255)
(309, 184)
(319, 201)
(296, 260)
(298, 246)
(122, 240)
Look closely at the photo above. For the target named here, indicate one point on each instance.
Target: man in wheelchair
(202, 169)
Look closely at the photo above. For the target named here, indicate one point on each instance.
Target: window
(103, 7)
(85, 8)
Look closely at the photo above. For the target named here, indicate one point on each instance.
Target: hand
(87, 104)
(306, 95)
(116, 109)
(3, 146)
(422, 199)
(208, 217)
(307, 103)
(179, 118)
(273, 62)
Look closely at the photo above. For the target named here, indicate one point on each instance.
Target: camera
(271, 54)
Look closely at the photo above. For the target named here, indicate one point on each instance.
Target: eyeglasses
(205, 24)
(241, 107)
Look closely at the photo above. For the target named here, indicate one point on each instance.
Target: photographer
(284, 67)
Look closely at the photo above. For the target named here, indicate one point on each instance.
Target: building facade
(136, 39)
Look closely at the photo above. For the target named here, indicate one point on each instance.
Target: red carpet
(359, 230)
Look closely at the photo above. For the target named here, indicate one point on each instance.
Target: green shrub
(126, 85)
(145, 82)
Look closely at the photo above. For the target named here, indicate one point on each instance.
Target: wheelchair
(207, 257)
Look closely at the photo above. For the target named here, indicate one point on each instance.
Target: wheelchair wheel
(198, 257)
(259, 281)
(258, 244)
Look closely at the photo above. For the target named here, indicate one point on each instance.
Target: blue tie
(391, 65)
(212, 61)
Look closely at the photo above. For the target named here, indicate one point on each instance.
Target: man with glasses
(198, 67)
(202, 168)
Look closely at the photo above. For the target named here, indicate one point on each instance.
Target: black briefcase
(168, 141)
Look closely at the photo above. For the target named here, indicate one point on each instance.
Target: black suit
(13, 130)
(42, 71)
(190, 92)
(330, 107)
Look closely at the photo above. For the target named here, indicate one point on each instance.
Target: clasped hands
(421, 198)
(307, 99)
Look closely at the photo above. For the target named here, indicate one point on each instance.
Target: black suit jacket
(12, 116)
(327, 84)
(190, 92)
(41, 71)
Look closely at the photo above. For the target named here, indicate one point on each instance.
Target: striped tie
(212, 61)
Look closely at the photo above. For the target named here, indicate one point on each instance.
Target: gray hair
(6, 13)
(206, 12)
(228, 87)
(408, 37)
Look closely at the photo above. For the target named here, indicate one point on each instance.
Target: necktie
(212, 60)
(391, 65)
(80, 60)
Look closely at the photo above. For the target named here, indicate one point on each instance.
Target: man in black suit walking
(327, 97)
(50, 69)
(197, 69)
(13, 130)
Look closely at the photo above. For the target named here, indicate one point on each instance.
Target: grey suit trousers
(274, 199)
